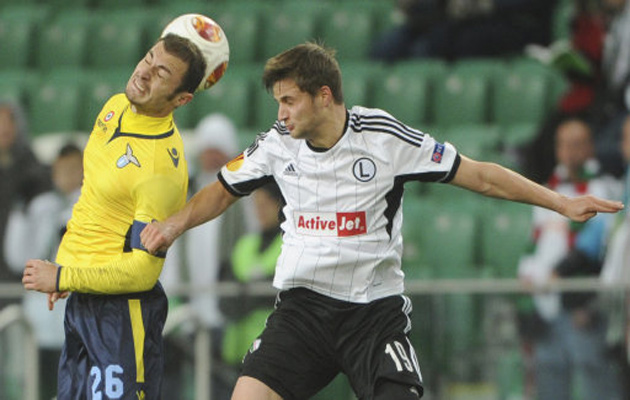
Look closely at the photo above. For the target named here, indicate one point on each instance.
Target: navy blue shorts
(310, 338)
(113, 347)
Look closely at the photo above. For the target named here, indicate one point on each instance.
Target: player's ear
(326, 95)
(183, 99)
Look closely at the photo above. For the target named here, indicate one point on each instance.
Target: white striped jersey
(342, 217)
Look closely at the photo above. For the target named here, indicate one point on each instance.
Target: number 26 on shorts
(112, 384)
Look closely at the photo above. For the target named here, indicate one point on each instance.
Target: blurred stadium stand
(63, 58)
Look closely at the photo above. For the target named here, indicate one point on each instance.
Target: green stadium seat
(511, 374)
(265, 109)
(241, 23)
(120, 4)
(101, 85)
(516, 135)
(479, 142)
(445, 234)
(349, 30)
(562, 20)
(246, 137)
(505, 236)
(17, 34)
(184, 117)
(232, 96)
(15, 83)
(63, 42)
(11, 3)
(461, 334)
(66, 5)
(56, 104)
(412, 261)
(357, 79)
(405, 94)
(385, 13)
(520, 96)
(117, 38)
(462, 96)
(429, 70)
(287, 26)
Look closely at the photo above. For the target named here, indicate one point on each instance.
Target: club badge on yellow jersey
(128, 158)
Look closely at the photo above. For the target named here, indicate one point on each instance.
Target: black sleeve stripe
(247, 187)
(451, 175)
(387, 125)
(389, 132)
(386, 120)
(229, 188)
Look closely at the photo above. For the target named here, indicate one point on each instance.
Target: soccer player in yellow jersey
(135, 172)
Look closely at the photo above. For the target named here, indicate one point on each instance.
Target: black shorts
(113, 347)
(310, 338)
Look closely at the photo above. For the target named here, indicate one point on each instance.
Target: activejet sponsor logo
(331, 224)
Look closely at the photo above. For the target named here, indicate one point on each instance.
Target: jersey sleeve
(422, 158)
(251, 169)
(136, 270)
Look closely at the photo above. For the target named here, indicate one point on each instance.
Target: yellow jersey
(135, 172)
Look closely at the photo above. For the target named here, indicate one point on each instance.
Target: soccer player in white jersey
(341, 171)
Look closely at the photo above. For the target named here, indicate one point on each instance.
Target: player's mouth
(140, 88)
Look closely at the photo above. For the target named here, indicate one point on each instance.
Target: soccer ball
(208, 36)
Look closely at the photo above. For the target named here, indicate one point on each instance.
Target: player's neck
(331, 130)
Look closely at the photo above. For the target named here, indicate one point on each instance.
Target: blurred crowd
(582, 146)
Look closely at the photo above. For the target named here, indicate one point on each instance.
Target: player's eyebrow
(165, 68)
(160, 66)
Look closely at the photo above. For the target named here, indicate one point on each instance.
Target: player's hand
(53, 297)
(157, 236)
(583, 208)
(40, 275)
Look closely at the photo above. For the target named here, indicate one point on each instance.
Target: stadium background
(62, 59)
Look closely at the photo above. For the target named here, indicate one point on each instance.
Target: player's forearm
(494, 180)
(137, 273)
(507, 184)
(204, 206)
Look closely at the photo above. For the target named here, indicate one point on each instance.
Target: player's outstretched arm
(205, 205)
(494, 180)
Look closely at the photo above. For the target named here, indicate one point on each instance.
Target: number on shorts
(113, 384)
(399, 354)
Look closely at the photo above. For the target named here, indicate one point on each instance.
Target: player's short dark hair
(186, 51)
(310, 65)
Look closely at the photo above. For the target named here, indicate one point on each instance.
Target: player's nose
(283, 115)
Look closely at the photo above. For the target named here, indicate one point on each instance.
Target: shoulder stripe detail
(385, 124)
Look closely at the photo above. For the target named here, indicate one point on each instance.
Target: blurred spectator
(22, 176)
(601, 35)
(209, 245)
(454, 29)
(202, 250)
(569, 340)
(253, 260)
(616, 270)
(613, 98)
(587, 33)
(36, 232)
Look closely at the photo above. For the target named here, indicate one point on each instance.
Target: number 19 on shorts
(404, 357)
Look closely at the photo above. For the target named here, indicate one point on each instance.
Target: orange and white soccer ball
(206, 34)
